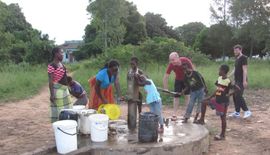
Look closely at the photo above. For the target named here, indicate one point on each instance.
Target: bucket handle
(66, 132)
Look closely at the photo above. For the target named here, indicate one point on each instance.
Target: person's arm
(245, 84)
(117, 86)
(98, 91)
(52, 97)
(166, 76)
(232, 72)
(165, 81)
(204, 84)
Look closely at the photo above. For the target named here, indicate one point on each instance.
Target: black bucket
(148, 127)
(67, 114)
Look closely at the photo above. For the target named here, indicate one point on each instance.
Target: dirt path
(25, 126)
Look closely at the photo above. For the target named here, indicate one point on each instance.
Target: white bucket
(99, 127)
(85, 121)
(65, 136)
(78, 108)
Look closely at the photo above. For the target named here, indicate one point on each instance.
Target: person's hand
(245, 84)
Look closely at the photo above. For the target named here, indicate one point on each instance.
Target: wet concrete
(178, 138)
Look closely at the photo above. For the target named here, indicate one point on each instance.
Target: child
(219, 100)
(195, 82)
(152, 98)
(133, 88)
(77, 91)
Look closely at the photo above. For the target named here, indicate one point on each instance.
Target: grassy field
(258, 75)
(23, 81)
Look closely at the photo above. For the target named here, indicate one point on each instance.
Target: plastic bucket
(65, 136)
(99, 127)
(85, 123)
(110, 109)
(78, 108)
(68, 114)
(148, 127)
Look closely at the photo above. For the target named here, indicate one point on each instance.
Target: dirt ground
(25, 126)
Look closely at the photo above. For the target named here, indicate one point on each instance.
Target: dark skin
(134, 67)
(223, 118)
(113, 71)
(58, 57)
(77, 95)
(188, 72)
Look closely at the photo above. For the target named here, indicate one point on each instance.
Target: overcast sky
(66, 19)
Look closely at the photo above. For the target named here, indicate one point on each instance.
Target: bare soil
(25, 126)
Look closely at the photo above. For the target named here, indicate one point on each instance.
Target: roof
(73, 44)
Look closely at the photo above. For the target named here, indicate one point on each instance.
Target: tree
(156, 26)
(188, 32)
(106, 18)
(219, 11)
(253, 17)
(215, 41)
(19, 41)
(135, 26)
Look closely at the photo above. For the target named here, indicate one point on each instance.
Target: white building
(69, 48)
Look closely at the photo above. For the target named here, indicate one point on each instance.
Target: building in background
(69, 48)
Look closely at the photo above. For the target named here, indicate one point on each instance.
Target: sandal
(218, 138)
(174, 118)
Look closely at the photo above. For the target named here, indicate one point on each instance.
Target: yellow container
(110, 109)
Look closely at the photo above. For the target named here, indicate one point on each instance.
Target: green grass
(258, 74)
(21, 81)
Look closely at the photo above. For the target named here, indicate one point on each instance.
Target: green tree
(156, 26)
(135, 26)
(253, 17)
(188, 32)
(106, 18)
(19, 41)
(215, 41)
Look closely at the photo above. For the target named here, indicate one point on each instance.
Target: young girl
(152, 98)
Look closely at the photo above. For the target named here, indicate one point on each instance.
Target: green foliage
(188, 32)
(21, 81)
(135, 26)
(19, 41)
(215, 41)
(156, 72)
(156, 26)
(252, 17)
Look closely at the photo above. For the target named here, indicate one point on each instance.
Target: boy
(134, 97)
(77, 91)
(152, 98)
(219, 100)
(194, 81)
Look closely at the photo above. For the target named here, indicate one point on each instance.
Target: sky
(66, 19)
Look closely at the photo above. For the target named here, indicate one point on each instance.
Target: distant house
(69, 48)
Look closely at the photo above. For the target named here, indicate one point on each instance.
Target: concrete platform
(178, 138)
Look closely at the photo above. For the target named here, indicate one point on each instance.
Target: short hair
(173, 54)
(69, 79)
(134, 59)
(225, 68)
(237, 46)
